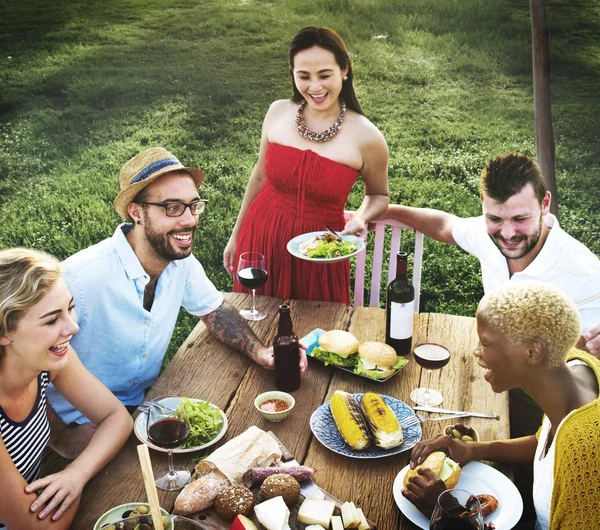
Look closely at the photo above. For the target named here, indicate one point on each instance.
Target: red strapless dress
(303, 192)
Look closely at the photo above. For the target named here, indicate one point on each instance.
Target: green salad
(204, 419)
(324, 247)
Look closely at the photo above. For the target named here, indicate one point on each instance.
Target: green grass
(85, 85)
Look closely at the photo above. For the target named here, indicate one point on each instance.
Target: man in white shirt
(518, 239)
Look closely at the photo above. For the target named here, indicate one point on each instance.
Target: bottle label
(401, 315)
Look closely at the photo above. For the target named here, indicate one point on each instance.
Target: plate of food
(366, 435)
(481, 480)
(324, 247)
(371, 360)
(208, 424)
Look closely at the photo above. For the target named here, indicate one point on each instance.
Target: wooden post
(542, 99)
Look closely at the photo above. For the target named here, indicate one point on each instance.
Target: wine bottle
(286, 350)
(400, 307)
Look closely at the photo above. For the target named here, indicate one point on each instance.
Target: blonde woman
(36, 325)
(527, 331)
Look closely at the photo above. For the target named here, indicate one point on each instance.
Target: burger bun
(340, 342)
(444, 467)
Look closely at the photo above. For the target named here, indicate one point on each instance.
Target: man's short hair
(528, 311)
(507, 174)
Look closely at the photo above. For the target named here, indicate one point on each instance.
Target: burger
(444, 467)
(377, 360)
(337, 347)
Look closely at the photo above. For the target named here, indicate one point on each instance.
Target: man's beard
(530, 243)
(162, 245)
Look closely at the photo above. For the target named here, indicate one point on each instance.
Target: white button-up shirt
(119, 341)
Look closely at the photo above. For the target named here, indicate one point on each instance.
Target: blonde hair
(528, 311)
(26, 276)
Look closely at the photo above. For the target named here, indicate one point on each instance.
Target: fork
(332, 231)
(146, 405)
(423, 419)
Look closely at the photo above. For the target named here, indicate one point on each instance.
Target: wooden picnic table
(205, 368)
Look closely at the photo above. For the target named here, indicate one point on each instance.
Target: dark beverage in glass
(450, 522)
(286, 350)
(431, 356)
(400, 308)
(252, 277)
(168, 432)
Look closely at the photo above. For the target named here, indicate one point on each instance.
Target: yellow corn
(349, 420)
(383, 422)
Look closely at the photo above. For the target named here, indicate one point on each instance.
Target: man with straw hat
(128, 290)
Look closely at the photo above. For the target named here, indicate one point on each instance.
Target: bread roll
(445, 468)
(201, 493)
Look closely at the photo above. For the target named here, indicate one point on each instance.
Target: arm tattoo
(229, 327)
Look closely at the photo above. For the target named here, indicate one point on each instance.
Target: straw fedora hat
(143, 169)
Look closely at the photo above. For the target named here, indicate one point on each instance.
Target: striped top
(26, 440)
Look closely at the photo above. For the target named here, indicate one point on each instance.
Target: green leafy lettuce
(376, 374)
(332, 358)
(332, 249)
(204, 420)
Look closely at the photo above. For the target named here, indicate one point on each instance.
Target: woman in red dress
(303, 177)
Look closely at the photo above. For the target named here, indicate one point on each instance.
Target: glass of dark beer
(168, 427)
(456, 510)
(431, 351)
(252, 274)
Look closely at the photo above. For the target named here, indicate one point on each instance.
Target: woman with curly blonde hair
(36, 325)
(527, 332)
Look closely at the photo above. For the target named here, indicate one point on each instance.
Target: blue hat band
(153, 168)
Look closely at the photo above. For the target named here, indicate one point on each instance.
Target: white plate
(292, 247)
(140, 429)
(478, 478)
(323, 427)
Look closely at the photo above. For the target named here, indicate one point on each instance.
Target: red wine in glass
(252, 277)
(252, 274)
(168, 427)
(168, 433)
(431, 356)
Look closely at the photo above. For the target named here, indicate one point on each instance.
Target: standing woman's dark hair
(327, 39)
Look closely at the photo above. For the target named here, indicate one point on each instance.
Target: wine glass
(456, 510)
(252, 274)
(431, 351)
(168, 426)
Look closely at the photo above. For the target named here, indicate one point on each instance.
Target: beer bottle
(286, 350)
(400, 308)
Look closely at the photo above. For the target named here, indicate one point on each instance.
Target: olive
(145, 526)
(142, 510)
(109, 527)
(126, 514)
(467, 438)
(456, 433)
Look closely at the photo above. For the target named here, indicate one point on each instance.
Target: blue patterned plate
(323, 427)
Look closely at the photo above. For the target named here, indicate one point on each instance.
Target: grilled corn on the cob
(383, 422)
(349, 420)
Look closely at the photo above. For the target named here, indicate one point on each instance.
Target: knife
(472, 414)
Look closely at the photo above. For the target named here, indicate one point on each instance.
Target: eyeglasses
(176, 209)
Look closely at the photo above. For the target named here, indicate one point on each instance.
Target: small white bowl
(274, 416)
(114, 515)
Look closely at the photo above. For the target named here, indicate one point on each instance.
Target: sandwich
(444, 467)
(377, 360)
(337, 347)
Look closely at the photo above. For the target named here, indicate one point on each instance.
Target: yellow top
(576, 495)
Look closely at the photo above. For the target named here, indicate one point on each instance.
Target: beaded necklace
(319, 137)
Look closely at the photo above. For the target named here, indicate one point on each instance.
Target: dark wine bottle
(400, 309)
(286, 350)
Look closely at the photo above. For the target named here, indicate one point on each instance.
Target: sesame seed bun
(339, 342)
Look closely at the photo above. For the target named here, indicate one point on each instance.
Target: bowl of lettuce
(208, 424)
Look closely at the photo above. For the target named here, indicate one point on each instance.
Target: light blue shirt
(120, 342)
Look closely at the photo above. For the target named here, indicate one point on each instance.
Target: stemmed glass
(431, 351)
(252, 274)
(169, 428)
(456, 510)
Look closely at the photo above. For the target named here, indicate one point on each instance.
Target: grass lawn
(86, 85)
